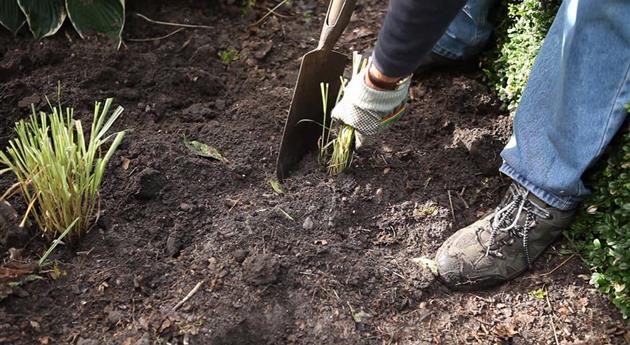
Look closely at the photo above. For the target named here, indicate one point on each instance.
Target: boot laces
(508, 219)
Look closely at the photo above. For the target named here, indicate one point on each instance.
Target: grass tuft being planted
(59, 170)
(343, 144)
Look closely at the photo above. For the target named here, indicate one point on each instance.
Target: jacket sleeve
(410, 30)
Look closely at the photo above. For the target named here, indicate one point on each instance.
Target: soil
(340, 269)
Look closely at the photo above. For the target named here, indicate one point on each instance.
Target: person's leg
(468, 33)
(571, 108)
(573, 103)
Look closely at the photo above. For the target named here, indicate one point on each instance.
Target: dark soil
(172, 220)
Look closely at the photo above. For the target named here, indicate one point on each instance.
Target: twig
(235, 203)
(553, 325)
(155, 38)
(450, 201)
(553, 270)
(269, 13)
(461, 197)
(179, 25)
(190, 294)
(557, 267)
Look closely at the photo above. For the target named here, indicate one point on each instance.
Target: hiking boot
(502, 245)
(433, 61)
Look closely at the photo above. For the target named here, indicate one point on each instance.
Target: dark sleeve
(410, 30)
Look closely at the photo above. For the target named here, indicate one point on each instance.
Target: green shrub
(602, 230)
(520, 33)
(45, 17)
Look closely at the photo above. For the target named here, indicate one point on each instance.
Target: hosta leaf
(101, 16)
(44, 17)
(11, 17)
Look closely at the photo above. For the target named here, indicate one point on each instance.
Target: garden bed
(171, 220)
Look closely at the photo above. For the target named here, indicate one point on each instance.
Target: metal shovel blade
(306, 122)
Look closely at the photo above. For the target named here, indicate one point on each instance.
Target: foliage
(59, 170)
(520, 33)
(602, 230)
(44, 18)
(228, 56)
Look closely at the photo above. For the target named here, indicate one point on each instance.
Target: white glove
(368, 110)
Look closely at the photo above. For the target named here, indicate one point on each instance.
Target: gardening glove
(369, 110)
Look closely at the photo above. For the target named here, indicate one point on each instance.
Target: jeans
(573, 103)
(468, 33)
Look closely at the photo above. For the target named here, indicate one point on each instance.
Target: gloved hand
(369, 110)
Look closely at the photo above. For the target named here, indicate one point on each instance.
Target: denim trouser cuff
(439, 50)
(562, 203)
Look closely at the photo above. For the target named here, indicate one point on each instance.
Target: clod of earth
(11, 234)
(261, 269)
(150, 183)
(198, 112)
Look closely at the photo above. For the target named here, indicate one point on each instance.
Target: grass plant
(59, 170)
(343, 144)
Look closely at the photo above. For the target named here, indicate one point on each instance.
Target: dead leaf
(12, 273)
(34, 324)
(321, 242)
(203, 150)
(165, 325)
(44, 340)
(505, 331)
(125, 163)
(144, 323)
(129, 341)
(360, 316)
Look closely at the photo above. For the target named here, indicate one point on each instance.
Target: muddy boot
(502, 245)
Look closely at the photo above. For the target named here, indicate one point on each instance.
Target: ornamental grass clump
(344, 143)
(59, 170)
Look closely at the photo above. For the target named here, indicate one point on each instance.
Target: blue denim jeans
(468, 33)
(573, 103)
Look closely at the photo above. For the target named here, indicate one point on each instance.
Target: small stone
(239, 255)
(219, 104)
(114, 316)
(27, 101)
(378, 196)
(308, 223)
(174, 243)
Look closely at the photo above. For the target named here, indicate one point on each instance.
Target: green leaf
(276, 186)
(44, 18)
(539, 293)
(203, 150)
(101, 16)
(11, 17)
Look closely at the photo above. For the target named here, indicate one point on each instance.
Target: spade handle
(337, 18)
